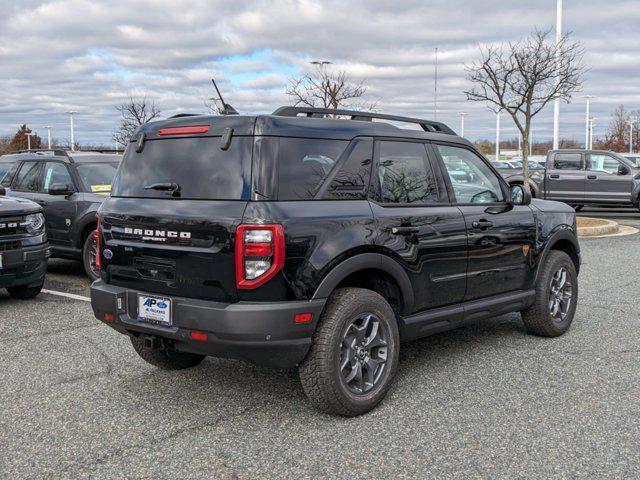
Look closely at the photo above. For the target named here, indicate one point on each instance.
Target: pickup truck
(581, 177)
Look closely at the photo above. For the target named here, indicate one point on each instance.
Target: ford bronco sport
(23, 247)
(321, 239)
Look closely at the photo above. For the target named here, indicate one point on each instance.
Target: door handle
(482, 224)
(592, 177)
(554, 175)
(406, 231)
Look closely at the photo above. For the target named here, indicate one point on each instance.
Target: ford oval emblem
(108, 254)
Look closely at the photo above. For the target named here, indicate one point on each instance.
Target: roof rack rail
(40, 151)
(180, 115)
(427, 125)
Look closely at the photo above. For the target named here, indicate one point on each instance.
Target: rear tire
(23, 292)
(89, 257)
(164, 358)
(555, 301)
(354, 353)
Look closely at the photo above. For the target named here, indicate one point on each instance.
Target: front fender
(561, 233)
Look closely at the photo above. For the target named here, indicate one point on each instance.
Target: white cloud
(90, 55)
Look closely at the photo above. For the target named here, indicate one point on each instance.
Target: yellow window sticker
(101, 189)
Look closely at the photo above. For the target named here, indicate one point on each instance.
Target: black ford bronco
(321, 239)
(23, 247)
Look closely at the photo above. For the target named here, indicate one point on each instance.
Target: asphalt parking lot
(492, 401)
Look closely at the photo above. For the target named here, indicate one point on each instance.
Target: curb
(609, 228)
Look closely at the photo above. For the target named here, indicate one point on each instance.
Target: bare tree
(326, 89)
(617, 136)
(134, 113)
(522, 78)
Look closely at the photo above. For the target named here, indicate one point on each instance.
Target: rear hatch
(175, 205)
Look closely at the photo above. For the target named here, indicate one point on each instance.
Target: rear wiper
(172, 187)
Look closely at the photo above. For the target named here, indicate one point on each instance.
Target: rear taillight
(96, 233)
(259, 254)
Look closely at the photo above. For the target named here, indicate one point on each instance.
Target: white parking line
(67, 295)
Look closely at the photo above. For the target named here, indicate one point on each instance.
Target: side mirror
(3, 191)
(520, 195)
(623, 170)
(60, 189)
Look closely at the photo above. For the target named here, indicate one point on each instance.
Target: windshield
(188, 168)
(624, 160)
(5, 168)
(97, 177)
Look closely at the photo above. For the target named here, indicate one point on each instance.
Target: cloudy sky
(90, 55)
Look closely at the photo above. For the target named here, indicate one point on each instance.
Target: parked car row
(581, 177)
(68, 187)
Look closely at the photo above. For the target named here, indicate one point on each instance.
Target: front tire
(89, 252)
(24, 292)
(556, 297)
(165, 359)
(354, 353)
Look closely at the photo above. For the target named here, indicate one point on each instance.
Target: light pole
(321, 64)
(462, 115)
(586, 122)
(435, 88)
(556, 103)
(71, 113)
(48, 127)
(631, 122)
(29, 135)
(498, 135)
(591, 123)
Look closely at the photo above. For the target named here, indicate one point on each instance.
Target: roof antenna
(226, 108)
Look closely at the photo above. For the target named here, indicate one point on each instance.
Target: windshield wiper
(172, 187)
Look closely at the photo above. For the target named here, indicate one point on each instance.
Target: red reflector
(257, 249)
(190, 130)
(108, 317)
(302, 318)
(198, 336)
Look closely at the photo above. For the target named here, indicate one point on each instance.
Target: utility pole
(556, 103)
(48, 127)
(71, 113)
(435, 88)
(462, 115)
(586, 121)
(498, 136)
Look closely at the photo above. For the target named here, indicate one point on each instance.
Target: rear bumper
(262, 333)
(24, 266)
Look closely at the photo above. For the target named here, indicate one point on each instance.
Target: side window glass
(56, 172)
(28, 178)
(352, 180)
(7, 171)
(405, 173)
(304, 164)
(471, 178)
(603, 163)
(567, 161)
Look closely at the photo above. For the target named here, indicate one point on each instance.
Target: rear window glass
(97, 177)
(304, 164)
(201, 169)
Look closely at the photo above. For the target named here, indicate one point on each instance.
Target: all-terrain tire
(538, 318)
(88, 257)
(24, 292)
(164, 358)
(320, 372)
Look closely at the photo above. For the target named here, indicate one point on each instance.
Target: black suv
(70, 186)
(23, 247)
(321, 239)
